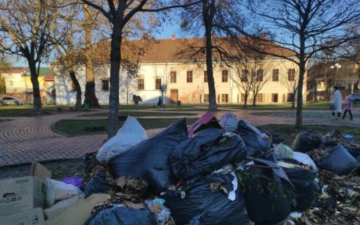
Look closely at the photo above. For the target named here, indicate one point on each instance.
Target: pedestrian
(348, 106)
(160, 103)
(336, 103)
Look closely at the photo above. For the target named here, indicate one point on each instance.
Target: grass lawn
(289, 132)
(76, 127)
(142, 113)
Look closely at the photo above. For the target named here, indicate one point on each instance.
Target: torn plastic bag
(207, 120)
(119, 215)
(76, 181)
(338, 161)
(253, 138)
(303, 180)
(149, 160)
(264, 197)
(282, 151)
(58, 190)
(304, 159)
(130, 134)
(229, 122)
(100, 183)
(306, 141)
(162, 214)
(206, 151)
(208, 201)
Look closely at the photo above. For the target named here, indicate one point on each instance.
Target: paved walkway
(27, 139)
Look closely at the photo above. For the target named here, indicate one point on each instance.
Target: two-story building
(164, 64)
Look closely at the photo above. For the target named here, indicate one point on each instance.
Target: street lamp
(335, 67)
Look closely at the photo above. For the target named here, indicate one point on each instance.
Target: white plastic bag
(58, 190)
(283, 151)
(229, 122)
(130, 134)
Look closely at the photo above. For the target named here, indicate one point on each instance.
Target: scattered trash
(229, 122)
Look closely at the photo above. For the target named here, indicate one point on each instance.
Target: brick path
(27, 139)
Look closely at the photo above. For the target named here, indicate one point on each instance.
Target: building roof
(49, 78)
(13, 70)
(180, 49)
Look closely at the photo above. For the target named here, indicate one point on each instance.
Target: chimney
(173, 37)
(265, 35)
(144, 37)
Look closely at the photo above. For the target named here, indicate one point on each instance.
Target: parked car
(10, 101)
(356, 98)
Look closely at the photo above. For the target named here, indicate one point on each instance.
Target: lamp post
(335, 67)
(24, 74)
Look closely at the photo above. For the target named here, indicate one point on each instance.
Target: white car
(10, 101)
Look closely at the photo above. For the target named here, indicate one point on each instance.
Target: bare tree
(132, 72)
(244, 79)
(307, 27)
(260, 71)
(4, 66)
(289, 78)
(209, 18)
(119, 14)
(27, 25)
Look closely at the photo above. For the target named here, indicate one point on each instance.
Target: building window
(224, 98)
(275, 75)
(173, 77)
(206, 97)
(157, 83)
(205, 77)
(260, 75)
(189, 76)
(274, 97)
(242, 97)
(105, 85)
(224, 76)
(141, 84)
(291, 74)
(244, 75)
(290, 97)
(260, 97)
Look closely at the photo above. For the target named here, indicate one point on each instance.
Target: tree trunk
(254, 100)
(211, 83)
(293, 100)
(245, 100)
(78, 90)
(35, 83)
(90, 95)
(299, 108)
(114, 80)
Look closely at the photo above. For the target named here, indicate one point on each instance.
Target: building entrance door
(174, 96)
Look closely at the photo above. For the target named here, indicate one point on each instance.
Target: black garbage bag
(302, 179)
(119, 215)
(338, 161)
(358, 159)
(205, 152)
(306, 142)
(353, 149)
(265, 198)
(275, 138)
(255, 143)
(99, 183)
(206, 205)
(149, 160)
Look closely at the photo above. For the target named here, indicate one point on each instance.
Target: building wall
(187, 92)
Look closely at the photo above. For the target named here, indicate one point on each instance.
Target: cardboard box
(61, 206)
(30, 217)
(23, 193)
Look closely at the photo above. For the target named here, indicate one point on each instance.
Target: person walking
(336, 103)
(348, 106)
(160, 103)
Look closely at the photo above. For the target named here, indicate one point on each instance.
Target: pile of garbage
(211, 172)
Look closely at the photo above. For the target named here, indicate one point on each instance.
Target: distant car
(356, 98)
(10, 101)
